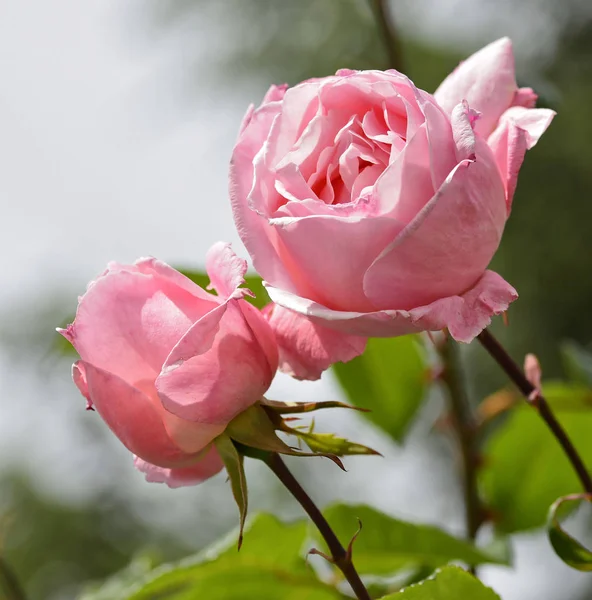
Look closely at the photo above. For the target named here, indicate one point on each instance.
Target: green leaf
(389, 379)
(252, 282)
(525, 469)
(234, 463)
(449, 583)
(386, 546)
(569, 550)
(269, 566)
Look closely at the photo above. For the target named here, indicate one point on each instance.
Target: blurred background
(117, 120)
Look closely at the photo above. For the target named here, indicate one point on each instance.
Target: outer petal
(218, 370)
(134, 418)
(79, 377)
(486, 80)
(508, 144)
(153, 266)
(465, 316)
(226, 271)
(207, 466)
(253, 228)
(534, 121)
(307, 348)
(449, 244)
(331, 254)
(128, 322)
(519, 130)
(263, 333)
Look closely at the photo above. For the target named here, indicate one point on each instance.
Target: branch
(339, 555)
(389, 33)
(537, 400)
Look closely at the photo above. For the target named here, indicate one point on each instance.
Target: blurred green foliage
(525, 469)
(273, 563)
(390, 379)
(56, 548)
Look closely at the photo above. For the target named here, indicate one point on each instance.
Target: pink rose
(374, 208)
(168, 365)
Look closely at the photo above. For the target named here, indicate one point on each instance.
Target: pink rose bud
(374, 208)
(168, 365)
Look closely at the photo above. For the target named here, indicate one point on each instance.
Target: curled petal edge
(465, 315)
(208, 465)
(226, 271)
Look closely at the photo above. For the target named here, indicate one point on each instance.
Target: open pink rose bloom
(374, 208)
(168, 365)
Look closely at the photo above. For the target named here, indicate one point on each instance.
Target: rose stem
(535, 398)
(465, 427)
(341, 558)
(9, 584)
(386, 24)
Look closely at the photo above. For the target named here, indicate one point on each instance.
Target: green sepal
(234, 463)
(256, 428)
(328, 442)
(569, 550)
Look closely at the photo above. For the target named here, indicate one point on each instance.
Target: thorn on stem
(350, 546)
(319, 553)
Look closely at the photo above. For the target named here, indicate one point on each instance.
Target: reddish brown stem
(536, 399)
(340, 557)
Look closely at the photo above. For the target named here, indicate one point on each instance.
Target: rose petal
(429, 259)
(462, 131)
(128, 322)
(405, 186)
(153, 266)
(226, 371)
(252, 226)
(207, 466)
(526, 97)
(486, 80)
(532, 120)
(226, 271)
(263, 333)
(133, 417)
(508, 144)
(331, 268)
(440, 142)
(465, 316)
(306, 348)
(79, 377)
(519, 130)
